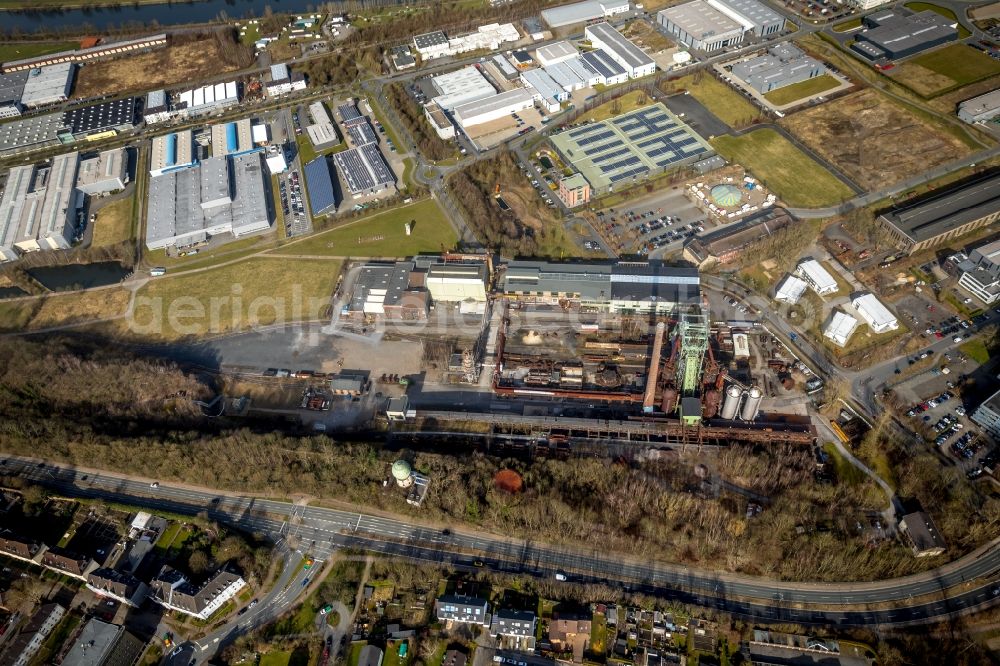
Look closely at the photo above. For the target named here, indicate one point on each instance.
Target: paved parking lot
(653, 225)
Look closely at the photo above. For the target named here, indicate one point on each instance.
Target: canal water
(79, 276)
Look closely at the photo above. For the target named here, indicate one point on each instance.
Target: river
(101, 18)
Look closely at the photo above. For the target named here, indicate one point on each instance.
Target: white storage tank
(752, 405)
(731, 405)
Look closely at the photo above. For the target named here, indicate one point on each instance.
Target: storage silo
(731, 406)
(752, 405)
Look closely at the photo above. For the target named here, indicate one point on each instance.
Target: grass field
(963, 32)
(392, 657)
(255, 292)
(382, 235)
(788, 172)
(725, 103)
(847, 26)
(58, 310)
(21, 50)
(976, 350)
(949, 67)
(846, 472)
(619, 106)
(797, 91)
(114, 222)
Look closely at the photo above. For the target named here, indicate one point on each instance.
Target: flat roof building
(574, 190)
(431, 45)
(756, 17)
(817, 277)
(580, 12)
(544, 88)
(322, 134)
(223, 194)
(38, 207)
(172, 151)
(923, 534)
(898, 33)
(504, 67)
(980, 109)
(699, 25)
(981, 273)
(550, 54)
(783, 65)
(625, 53)
(232, 138)
(364, 170)
(620, 151)
(11, 87)
(840, 328)
(987, 416)
(107, 172)
(207, 99)
(103, 644)
(47, 85)
(30, 133)
(320, 186)
(157, 108)
(460, 86)
(790, 290)
(947, 214)
(454, 282)
(876, 315)
(493, 108)
(388, 291)
(607, 68)
(118, 114)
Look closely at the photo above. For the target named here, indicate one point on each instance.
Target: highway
(967, 584)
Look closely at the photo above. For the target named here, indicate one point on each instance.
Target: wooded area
(428, 142)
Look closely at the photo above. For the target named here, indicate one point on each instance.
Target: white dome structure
(403, 473)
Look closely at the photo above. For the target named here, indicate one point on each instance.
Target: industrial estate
(501, 332)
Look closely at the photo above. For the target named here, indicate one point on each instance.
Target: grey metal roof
(603, 64)
(47, 85)
(898, 31)
(619, 46)
(30, 132)
(11, 86)
(948, 210)
(543, 83)
(701, 20)
(430, 39)
(95, 643)
(579, 12)
(756, 12)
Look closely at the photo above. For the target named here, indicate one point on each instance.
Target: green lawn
(383, 235)
(976, 350)
(392, 657)
(276, 658)
(846, 26)
(21, 50)
(788, 172)
(168, 536)
(963, 32)
(619, 106)
(599, 636)
(354, 656)
(797, 91)
(725, 103)
(845, 471)
(114, 222)
(959, 62)
(306, 151)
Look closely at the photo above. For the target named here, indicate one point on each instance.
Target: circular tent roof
(727, 195)
(401, 470)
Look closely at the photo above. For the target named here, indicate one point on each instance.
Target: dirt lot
(872, 140)
(165, 67)
(949, 101)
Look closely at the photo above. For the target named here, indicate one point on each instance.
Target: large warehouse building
(47, 85)
(232, 138)
(581, 12)
(493, 108)
(321, 186)
(38, 207)
(710, 25)
(980, 109)
(947, 214)
(172, 151)
(364, 170)
(107, 172)
(615, 287)
(898, 33)
(218, 196)
(625, 53)
(460, 86)
(783, 65)
(630, 147)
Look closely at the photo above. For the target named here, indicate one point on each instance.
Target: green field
(963, 32)
(976, 350)
(21, 50)
(382, 235)
(114, 222)
(846, 26)
(620, 105)
(788, 172)
(845, 471)
(797, 91)
(959, 62)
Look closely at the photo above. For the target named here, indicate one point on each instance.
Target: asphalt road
(969, 583)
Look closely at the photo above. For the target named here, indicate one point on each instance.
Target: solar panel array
(364, 169)
(348, 111)
(362, 133)
(376, 162)
(630, 146)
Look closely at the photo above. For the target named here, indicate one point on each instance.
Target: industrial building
(544, 89)
(106, 118)
(877, 316)
(207, 99)
(489, 37)
(232, 138)
(727, 244)
(980, 272)
(699, 25)
(47, 85)
(868, 5)
(455, 282)
(284, 81)
(576, 74)
(438, 119)
(321, 132)
(460, 86)
(606, 67)
(389, 291)
(504, 67)
(103, 644)
(840, 328)
(11, 87)
(31, 133)
(172, 151)
(947, 214)
(38, 209)
(402, 57)
(790, 290)
(222, 194)
(574, 190)
(782, 65)
(614, 287)
(987, 416)
(755, 17)
(550, 54)
(631, 147)
(321, 186)
(817, 277)
(899, 33)
(364, 170)
(493, 108)
(581, 12)
(107, 172)
(924, 537)
(157, 108)
(431, 45)
(625, 53)
(91, 54)
(980, 109)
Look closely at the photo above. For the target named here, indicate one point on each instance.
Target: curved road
(967, 584)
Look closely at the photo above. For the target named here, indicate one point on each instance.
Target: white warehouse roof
(463, 85)
(877, 316)
(579, 12)
(840, 328)
(513, 100)
(817, 276)
(790, 290)
(557, 52)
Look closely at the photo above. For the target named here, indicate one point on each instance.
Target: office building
(980, 273)
(699, 25)
(987, 416)
(782, 65)
(103, 644)
(948, 214)
(107, 172)
(980, 109)
(574, 190)
(876, 315)
(222, 195)
(47, 85)
(618, 152)
(840, 328)
(625, 53)
(172, 590)
(581, 12)
(899, 33)
(817, 277)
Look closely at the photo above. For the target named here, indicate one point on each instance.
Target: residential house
(18, 547)
(122, 587)
(462, 610)
(27, 641)
(516, 626)
(172, 590)
(568, 634)
(64, 561)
